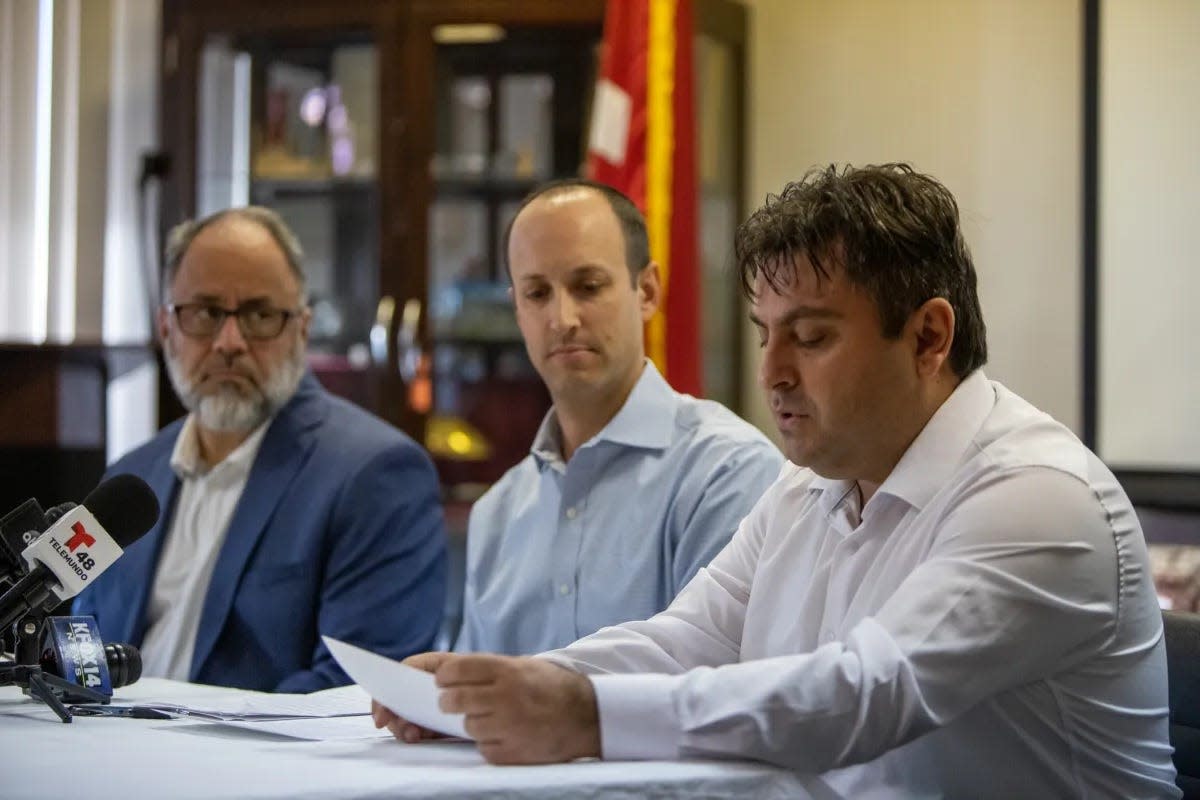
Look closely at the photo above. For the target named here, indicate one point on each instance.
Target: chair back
(1182, 631)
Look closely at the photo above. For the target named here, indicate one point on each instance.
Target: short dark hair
(896, 233)
(182, 235)
(633, 224)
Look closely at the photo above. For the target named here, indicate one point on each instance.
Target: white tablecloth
(100, 757)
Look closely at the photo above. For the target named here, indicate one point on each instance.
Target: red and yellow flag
(643, 142)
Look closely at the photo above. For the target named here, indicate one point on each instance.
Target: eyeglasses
(203, 320)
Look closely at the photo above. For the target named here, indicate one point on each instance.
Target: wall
(1149, 337)
(985, 96)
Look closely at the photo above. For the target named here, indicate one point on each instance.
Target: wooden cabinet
(53, 418)
(397, 137)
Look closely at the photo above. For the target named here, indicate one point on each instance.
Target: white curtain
(78, 89)
(25, 43)
(78, 108)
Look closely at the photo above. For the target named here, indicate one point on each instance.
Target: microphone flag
(75, 646)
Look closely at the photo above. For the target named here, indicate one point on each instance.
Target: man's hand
(401, 728)
(521, 710)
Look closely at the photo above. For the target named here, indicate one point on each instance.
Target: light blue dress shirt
(557, 550)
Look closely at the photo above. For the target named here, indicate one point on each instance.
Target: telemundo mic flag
(642, 141)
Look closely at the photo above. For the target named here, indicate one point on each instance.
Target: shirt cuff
(637, 716)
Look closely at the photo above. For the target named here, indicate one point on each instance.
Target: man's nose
(229, 338)
(564, 313)
(776, 370)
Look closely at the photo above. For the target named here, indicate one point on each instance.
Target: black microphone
(72, 650)
(55, 513)
(84, 542)
(19, 528)
(124, 663)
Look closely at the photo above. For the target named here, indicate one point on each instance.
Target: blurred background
(398, 136)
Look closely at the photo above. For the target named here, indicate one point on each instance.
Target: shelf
(282, 187)
(502, 188)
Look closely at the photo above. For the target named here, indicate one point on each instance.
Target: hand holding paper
(521, 710)
(403, 729)
(407, 691)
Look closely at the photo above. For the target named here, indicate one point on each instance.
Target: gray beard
(228, 411)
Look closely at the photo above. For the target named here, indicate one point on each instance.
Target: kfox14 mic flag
(83, 543)
(73, 650)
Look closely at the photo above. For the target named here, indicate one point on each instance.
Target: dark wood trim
(411, 192)
(241, 17)
(1091, 221)
(510, 12)
(1162, 489)
(61, 399)
(722, 19)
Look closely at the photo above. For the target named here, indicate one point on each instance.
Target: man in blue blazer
(288, 513)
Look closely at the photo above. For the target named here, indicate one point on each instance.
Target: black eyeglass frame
(221, 314)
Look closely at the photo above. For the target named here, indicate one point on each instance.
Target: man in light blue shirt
(630, 487)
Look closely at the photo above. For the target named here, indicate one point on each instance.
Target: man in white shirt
(947, 594)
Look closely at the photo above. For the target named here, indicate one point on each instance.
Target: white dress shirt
(207, 499)
(985, 626)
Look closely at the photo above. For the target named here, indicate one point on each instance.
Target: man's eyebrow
(212, 299)
(586, 268)
(801, 312)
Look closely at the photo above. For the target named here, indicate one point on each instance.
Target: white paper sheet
(342, 701)
(335, 702)
(319, 729)
(409, 692)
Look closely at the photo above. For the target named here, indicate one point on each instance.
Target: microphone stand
(26, 671)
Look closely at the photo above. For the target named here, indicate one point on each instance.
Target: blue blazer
(339, 532)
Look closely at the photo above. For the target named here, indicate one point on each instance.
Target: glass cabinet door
(290, 122)
(719, 173)
(510, 114)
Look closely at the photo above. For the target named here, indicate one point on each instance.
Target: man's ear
(163, 320)
(649, 286)
(305, 320)
(931, 327)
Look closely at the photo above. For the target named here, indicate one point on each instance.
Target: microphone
(19, 528)
(72, 650)
(55, 513)
(83, 543)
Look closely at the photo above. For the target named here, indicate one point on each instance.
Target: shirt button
(564, 589)
(571, 514)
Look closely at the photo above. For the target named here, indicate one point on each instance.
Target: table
(100, 757)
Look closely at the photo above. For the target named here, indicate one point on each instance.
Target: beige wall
(983, 94)
(1149, 370)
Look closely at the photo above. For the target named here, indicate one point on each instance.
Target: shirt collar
(186, 461)
(939, 448)
(934, 455)
(646, 420)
